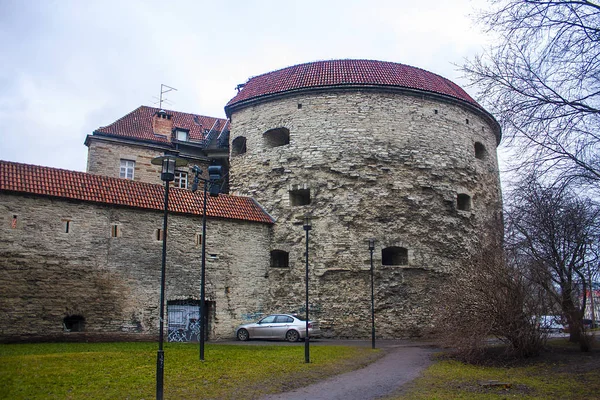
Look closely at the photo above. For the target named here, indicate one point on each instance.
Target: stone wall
(385, 165)
(47, 274)
(105, 155)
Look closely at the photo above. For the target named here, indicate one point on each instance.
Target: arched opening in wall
(463, 202)
(238, 146)
(300, 197)
(277, 137)
(480, 151)
(394, 256)
(74, 323)
(280, 259)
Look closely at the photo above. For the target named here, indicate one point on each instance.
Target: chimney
(162, 124)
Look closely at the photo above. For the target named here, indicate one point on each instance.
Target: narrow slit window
(158, 235)
(198, 239)
(480, 151)
(67, 226)
(115, 231)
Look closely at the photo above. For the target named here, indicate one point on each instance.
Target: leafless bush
(489, 299)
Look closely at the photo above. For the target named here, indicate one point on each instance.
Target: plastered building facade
(367, 149)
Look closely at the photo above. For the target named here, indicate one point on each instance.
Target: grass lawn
(128, 370)
(562, 373)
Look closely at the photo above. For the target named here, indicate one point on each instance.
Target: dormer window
(182, 135)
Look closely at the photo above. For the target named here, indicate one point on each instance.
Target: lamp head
(371, 244)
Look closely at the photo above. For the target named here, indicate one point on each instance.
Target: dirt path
(400, 365)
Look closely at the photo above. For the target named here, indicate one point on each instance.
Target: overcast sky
(69, 67)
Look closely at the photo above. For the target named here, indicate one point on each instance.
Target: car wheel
(292, 336)
(243, 335)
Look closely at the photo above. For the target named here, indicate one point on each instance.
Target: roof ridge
(82, 186)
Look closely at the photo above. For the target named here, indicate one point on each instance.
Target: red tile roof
(138, 125)
(53, 182)
(347, 73)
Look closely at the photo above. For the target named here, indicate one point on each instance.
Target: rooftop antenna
(164, 89)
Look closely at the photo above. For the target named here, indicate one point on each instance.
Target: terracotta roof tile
(138, 125)
(53, 182)
(347, 73)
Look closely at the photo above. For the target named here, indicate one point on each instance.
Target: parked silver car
(278, 326)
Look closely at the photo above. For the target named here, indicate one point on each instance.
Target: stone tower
(369, 149)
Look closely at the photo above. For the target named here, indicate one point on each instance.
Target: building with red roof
(365, 149)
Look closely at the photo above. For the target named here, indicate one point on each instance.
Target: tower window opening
(394, 256)
(300, 197)
(277, 137)
(74, 323)
(463, 202)
(115, 231)
(280, 259)
(158, 234)
(238, 146)
(480, 151)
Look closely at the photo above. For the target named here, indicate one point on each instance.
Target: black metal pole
(307, 337)
(372, 303)
(202, 275)
(160, 357)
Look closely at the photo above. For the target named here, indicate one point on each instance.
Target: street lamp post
(168, 163)
(371, 249)
(307, 228)
(214, 173)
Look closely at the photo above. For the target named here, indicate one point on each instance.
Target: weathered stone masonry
(47, 274)
(369, 149)
(382, 164)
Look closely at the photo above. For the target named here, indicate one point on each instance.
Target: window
(158, 234)
(300, 197)
(238, 146)
(127, 167)
(280, 259)
(463, 202)
(115, 231)
(284, 319)
(73, 323)
(181, 135)
(394, 256)
(277, 137)
(181, 179)
(67, 225)
(480, 151)
(198, 239)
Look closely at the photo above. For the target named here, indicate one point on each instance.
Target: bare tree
(555, 236)
(542, 81)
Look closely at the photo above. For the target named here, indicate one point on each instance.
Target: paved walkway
(402, 363)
